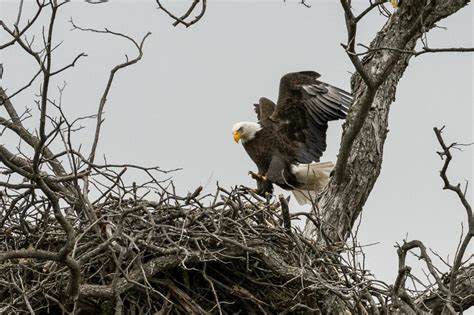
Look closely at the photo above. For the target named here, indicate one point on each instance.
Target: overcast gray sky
(177, 106)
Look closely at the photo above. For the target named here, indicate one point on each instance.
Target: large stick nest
(220, 253)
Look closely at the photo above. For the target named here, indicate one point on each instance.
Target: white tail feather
(313, 177)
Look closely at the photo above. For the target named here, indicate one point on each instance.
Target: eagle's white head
(245, 131)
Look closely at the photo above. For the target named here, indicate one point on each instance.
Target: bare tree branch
(182, 19)
(103, 100)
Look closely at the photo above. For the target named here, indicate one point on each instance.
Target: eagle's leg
(264, 186)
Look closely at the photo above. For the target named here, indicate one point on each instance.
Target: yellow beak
(236, 136)
(394, 3)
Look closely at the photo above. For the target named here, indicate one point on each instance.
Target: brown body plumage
(290, 136)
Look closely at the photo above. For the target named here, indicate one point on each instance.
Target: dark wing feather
(305, 105)
(264, 108)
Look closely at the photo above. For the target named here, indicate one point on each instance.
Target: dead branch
(103, 100)
(182, 19)
(448, 297)
(446, 153)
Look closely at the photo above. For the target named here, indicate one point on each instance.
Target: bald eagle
(290, 136)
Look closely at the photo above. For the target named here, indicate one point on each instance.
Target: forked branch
(447, 156)
(182, 20)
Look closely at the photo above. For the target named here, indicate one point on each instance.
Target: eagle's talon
(258, 177)
(253, 175)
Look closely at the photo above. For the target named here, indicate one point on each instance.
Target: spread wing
(304, 107)
(264, 108)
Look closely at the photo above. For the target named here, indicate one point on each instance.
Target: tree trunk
(340, 203)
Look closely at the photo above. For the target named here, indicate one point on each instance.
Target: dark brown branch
(368, 9)
(285, 213)
(185, 15)
(71, 65)
(446, 153)
(447, 185)
(351, 25)
(20, 89)
(20, 33)
(450, 50)
(182, 19)
(413, 52)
